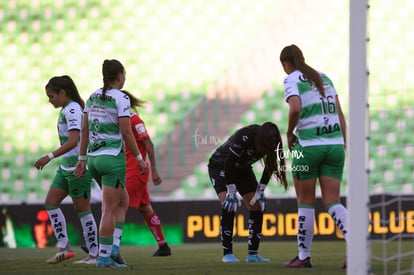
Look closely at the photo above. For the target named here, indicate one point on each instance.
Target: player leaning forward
(230, 170)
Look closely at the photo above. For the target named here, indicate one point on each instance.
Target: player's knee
(145, 210)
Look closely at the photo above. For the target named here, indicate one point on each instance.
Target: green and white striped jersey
(319, 121)
(105, 137)
(70, 118)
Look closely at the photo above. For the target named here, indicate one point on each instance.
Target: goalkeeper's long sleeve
(265, 176)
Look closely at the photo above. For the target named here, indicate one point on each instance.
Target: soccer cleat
(296, 263)
(116, 255)
(229, 258)
(255, 258)
(163, 250)
(61, 256)
(87, 260)
(108, 262)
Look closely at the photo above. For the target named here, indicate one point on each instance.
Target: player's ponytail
(72, 90)
(293, 55)
(111, 68)
(134, 101)
(270, 140)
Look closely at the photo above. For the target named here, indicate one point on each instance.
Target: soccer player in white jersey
(320, 137)
(137, 183)
(62, 92)
(106, 128)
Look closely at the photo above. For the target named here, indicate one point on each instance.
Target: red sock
(154, 225)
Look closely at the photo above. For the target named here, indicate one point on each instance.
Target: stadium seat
(198, 184)
(192, 188)
(43, 38)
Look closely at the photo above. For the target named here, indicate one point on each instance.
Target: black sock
(226, 231)
(255, 231)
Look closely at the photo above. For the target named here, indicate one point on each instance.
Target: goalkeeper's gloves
(259, 196)
(232, 200)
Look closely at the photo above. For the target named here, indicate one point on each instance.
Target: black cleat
(163, 250)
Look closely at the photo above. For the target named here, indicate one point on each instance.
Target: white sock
(117, 236)
(306, 218)
(58, 221)
(105, 250)
(339, 214)
(90, 232)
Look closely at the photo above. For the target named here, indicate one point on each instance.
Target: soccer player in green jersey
(315, 112)
(106, 128)
(62, 92)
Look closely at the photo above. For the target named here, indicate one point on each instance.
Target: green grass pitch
(202, 258)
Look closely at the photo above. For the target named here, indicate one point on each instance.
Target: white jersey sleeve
(123, 106)
(290, 86)
(70, 118)
(73, 114)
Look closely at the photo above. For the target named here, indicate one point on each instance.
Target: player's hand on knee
(232, 200)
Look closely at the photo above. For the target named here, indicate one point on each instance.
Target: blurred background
(204, 68)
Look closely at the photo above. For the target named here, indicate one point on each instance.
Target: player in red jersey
(137, 184)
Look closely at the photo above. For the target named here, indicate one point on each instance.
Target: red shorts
(137, 187)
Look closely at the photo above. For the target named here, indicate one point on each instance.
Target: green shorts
(76, 187)
(314, 161)
(108, 170)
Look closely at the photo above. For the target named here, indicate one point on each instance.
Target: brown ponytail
(293, 55)
(111, 68)
(134, 101)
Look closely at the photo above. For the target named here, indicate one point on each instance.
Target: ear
(119, 78)
(287, 67)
